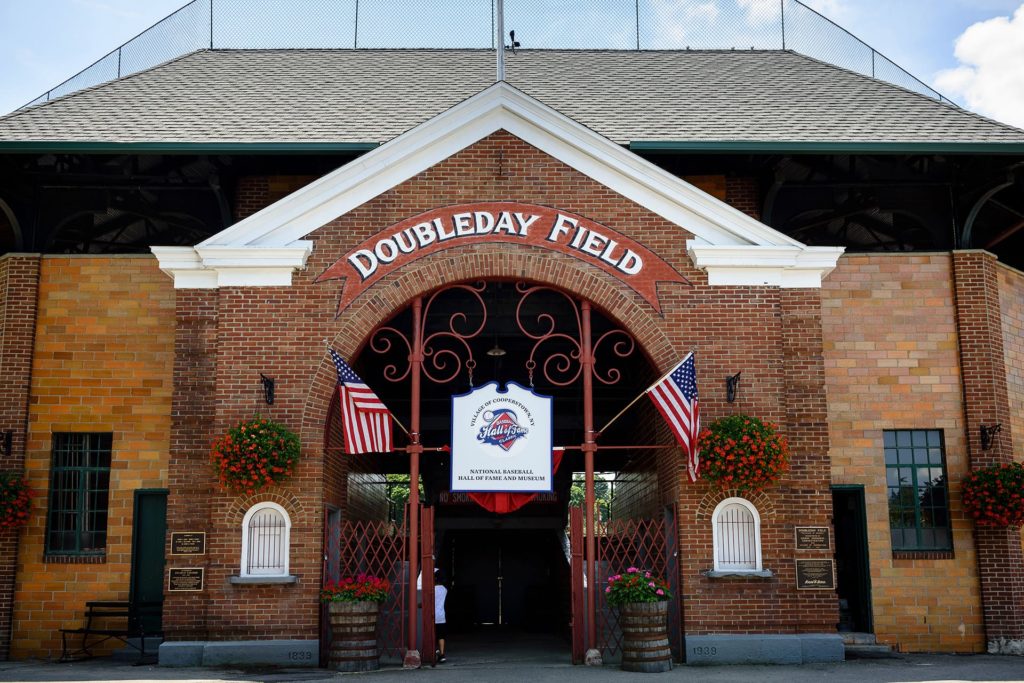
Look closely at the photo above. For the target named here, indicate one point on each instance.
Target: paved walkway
(511, 668)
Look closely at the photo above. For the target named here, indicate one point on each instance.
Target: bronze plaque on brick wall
(185, 579)
(188, 543)
(815, 575)
(812, 538)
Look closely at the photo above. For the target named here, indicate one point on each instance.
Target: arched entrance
(511, 574)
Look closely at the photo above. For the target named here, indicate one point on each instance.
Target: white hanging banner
(501, 440)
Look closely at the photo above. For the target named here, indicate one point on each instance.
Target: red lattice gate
(646, 543)
(378, 549)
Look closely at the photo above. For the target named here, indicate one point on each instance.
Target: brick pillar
(986, 401)
(188, 472)
(19, 295)
(807, 498)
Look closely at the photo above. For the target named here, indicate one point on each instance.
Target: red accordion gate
(648, 543)
(381, 548)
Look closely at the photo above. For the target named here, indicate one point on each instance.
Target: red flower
(254, 454)
(742, 452)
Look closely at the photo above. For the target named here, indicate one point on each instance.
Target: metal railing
(469, 24)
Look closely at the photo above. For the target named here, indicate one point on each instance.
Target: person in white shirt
(440, 622)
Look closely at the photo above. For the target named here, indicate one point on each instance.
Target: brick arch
(235, 513)
(475, 263)
(759, 499)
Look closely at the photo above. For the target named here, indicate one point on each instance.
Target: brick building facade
(843, 352)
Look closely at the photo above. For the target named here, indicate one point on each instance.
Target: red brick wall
(987, 401)
(1011, 304)
(891, 363)
(279, 331)
(19, 282)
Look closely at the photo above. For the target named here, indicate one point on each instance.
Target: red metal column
(415, 448)
(587, 361)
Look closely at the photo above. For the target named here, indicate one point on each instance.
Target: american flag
(675, 395)
(366, 419)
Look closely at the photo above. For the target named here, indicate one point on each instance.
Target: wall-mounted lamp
(732, 385)
(988, 435)
(268, 388)
(7, 442)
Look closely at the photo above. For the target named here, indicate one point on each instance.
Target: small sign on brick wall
(815, 575)
(812, 538)
(185, 579)
(188, 543)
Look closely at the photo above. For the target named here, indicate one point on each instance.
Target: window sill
(262, 580)
(922, 555)
(746, 574)
(100, 558)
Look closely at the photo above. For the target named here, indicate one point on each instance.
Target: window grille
(265, 537)
(737, 536)
(79, 494)
(915, 472)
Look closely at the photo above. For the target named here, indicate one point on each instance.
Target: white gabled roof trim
(786, 267)
(211, 267)
(268, 242)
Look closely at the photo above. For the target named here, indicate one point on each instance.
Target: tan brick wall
(892, 362)
(102, 362)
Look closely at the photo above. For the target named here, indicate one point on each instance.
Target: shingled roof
(371, 96)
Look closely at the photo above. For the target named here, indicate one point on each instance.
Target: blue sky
(43, 42)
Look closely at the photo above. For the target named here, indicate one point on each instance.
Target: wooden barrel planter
(354, 636)
(645, 645)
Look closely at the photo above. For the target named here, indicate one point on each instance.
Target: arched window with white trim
(736, 533)
(265, 541)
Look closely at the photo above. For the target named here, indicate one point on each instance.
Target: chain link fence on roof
(470, 24)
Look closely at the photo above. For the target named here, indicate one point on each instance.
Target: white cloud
(708, 11)
(833, 9)
(990, 78)
(760, 11)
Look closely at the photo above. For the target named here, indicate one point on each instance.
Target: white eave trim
(773, 266)
(210, 267)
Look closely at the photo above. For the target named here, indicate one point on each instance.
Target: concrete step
(870, 652)
(856, 638)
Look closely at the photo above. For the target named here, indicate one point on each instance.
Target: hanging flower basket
(255, 454)
(994, 496)
(743, 453)
(15, 500)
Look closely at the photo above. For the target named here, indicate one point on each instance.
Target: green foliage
(603, 494)
(398, 495)
(636, 585)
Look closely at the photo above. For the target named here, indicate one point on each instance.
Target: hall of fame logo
(501, 428)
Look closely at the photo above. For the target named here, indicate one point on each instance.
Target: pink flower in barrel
(636, 586)
(642, 599)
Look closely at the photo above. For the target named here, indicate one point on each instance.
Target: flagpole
(641, 394)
